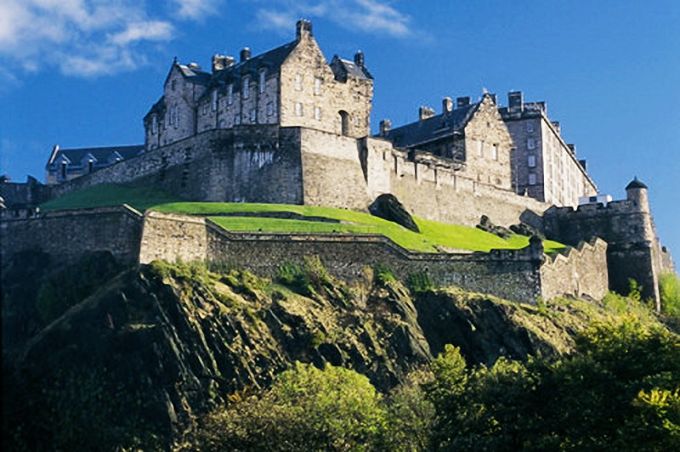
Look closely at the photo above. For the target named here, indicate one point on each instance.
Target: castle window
(298, 82)
(205, 109)
(263, 76)
(154, 124)
(63, 170)
(253, 116)
(237, 120)
(230, 94)
(532, 179)
(480, 149)
(317, 113)
(531, 143)
(245, 92)
(270, 108)
(298, 109)
(317, 85)
(531, 161)
(213, 101)
(530, 126)
(90, 165)
(344, 122)
(494, 152)
(173, 85)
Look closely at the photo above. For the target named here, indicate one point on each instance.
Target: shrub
(669, 288)
(420, 282)
(383, 274)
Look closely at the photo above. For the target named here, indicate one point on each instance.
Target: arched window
(344, 122)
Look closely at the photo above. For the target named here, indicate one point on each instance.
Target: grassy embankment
(434, 235)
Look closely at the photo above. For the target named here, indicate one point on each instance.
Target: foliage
(383, 275)
(624, 373)
(419, 282)
(306, 409)
(669, 288)
(311, 279)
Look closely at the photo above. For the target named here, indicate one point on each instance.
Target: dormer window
(298, 82)
(213, 101)
(230, 94)
(245, 91)
(263, 76)
(90, 165)
(63, 170)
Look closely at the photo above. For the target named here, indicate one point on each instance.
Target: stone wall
(579, 271)
(68, 234)
(24, 194)
(172, 237)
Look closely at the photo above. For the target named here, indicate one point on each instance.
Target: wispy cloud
(197, 9)
(81, 37)
(366, 16)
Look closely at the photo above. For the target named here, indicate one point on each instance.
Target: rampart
(67, 235)
(577, 271)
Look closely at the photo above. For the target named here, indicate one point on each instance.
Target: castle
(288, 127)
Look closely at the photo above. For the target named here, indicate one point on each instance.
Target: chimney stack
(447, 105)
(359, 58)
(583, 165)
(515, 101)
(245, 54)
(556, 125)
(572, 148)
(303, 29)
(221, 62)
(462, 101)
(425, 112)
(385, 126)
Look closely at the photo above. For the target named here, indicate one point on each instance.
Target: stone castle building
(288, 127)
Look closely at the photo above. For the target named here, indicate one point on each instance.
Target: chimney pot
(462, 101)
(447, 105)
(245, 54)
(221, 62)
(425, 112)
(385, 126)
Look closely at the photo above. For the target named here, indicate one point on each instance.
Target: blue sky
(84, 72)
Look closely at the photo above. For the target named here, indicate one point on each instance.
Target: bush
(669, 288)
(383, 274)
(306, 409)
(420, 282)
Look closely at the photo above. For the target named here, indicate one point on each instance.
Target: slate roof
(431, 129)
(101, 154)
(194, 75)
(352, 69)
(636, 183)
(271, 60)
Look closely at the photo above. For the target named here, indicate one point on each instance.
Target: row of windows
(299, 81)
(300, 111)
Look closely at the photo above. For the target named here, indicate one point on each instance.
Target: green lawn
(433, 236)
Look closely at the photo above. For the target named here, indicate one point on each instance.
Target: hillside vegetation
(161, 354)
(434, 236)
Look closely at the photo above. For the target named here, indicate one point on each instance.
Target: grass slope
(434, 236)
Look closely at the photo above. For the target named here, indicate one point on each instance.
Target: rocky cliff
(131, 356)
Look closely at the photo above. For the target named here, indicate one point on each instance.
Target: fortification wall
(171, 237)
(579, 271)
(67, 235)
(29, 193)
(439, 193)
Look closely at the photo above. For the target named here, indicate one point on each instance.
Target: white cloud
(81, 37)
(196, 9)
(367, 16)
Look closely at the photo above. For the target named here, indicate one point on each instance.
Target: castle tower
(636, 191)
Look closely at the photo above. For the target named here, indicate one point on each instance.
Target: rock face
(136, 360)
(388, 207)
(485, 224)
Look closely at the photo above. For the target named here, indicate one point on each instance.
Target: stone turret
(636, 191)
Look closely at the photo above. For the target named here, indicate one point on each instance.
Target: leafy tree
(306, 409)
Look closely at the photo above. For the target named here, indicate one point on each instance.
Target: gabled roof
(430, 129)
(100, 154)
(194, 74)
